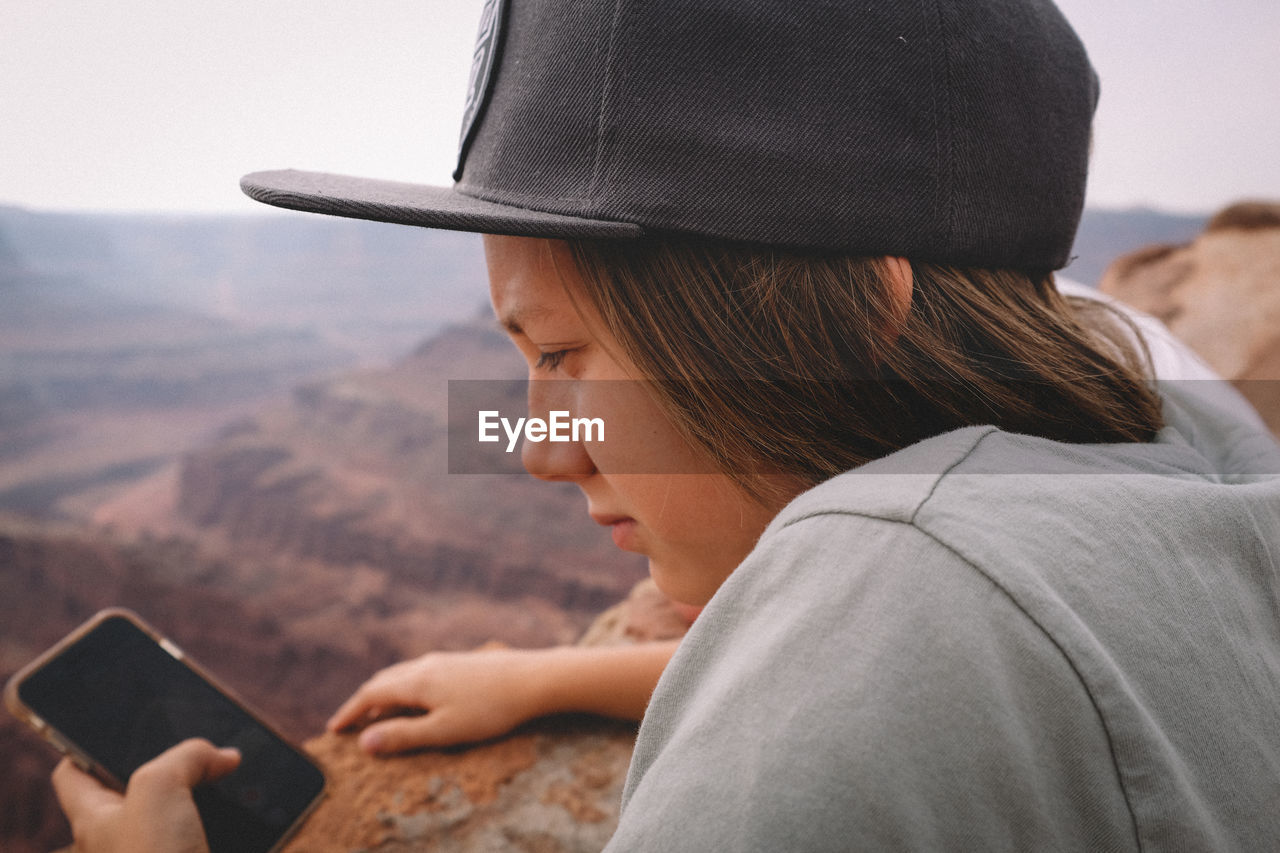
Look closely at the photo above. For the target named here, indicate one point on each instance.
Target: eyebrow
(514, 320)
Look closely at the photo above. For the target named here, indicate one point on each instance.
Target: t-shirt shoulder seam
(910, 517)
(947, 471)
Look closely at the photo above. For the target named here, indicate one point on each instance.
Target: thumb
(199, 761)
(401, 734)
(222, 763)
(186, 765)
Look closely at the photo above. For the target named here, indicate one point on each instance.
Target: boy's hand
(456, 697)
(155, 814)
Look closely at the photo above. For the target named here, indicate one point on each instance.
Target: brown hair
(803, 364)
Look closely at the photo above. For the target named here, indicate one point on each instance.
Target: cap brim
(419, 204)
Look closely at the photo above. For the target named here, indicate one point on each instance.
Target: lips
(624, 534)
(621, 527)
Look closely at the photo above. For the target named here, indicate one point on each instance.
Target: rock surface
(1220, 294)
(552, 786)
(555, 787)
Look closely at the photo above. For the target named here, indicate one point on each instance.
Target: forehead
(529, 279)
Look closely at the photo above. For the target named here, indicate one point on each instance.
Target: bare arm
(614, 681)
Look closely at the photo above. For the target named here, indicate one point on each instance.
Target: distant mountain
(99, 385)
(371, 288)
(125, 339)
(376, 288)
(10, 259)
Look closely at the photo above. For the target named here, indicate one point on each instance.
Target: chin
(676, 586)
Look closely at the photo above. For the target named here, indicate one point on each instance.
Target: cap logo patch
(483, 60)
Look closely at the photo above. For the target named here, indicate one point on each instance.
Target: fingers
(375, 695)
(350, 712)
(438, 728)
(403, 686)
(91, 808)
(185, 766)
(159, 812)
(80, 794)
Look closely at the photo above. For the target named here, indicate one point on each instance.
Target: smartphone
(114, 694)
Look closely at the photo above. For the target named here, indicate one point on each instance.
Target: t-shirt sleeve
(860, 686)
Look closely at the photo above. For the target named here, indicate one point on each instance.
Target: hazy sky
(151, 105)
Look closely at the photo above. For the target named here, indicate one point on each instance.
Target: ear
(900, 283)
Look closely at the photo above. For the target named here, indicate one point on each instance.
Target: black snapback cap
(956, 131)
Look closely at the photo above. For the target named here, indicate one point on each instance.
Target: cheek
(639, 437)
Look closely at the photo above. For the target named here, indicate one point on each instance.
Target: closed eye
(551, 360)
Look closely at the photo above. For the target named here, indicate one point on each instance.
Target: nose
(557, 461)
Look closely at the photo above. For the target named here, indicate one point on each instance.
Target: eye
(551, 360)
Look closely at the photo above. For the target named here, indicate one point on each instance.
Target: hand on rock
(443, 698)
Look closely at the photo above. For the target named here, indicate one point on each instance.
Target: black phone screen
(123, 699)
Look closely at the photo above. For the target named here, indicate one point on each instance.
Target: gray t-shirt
(989, 641)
